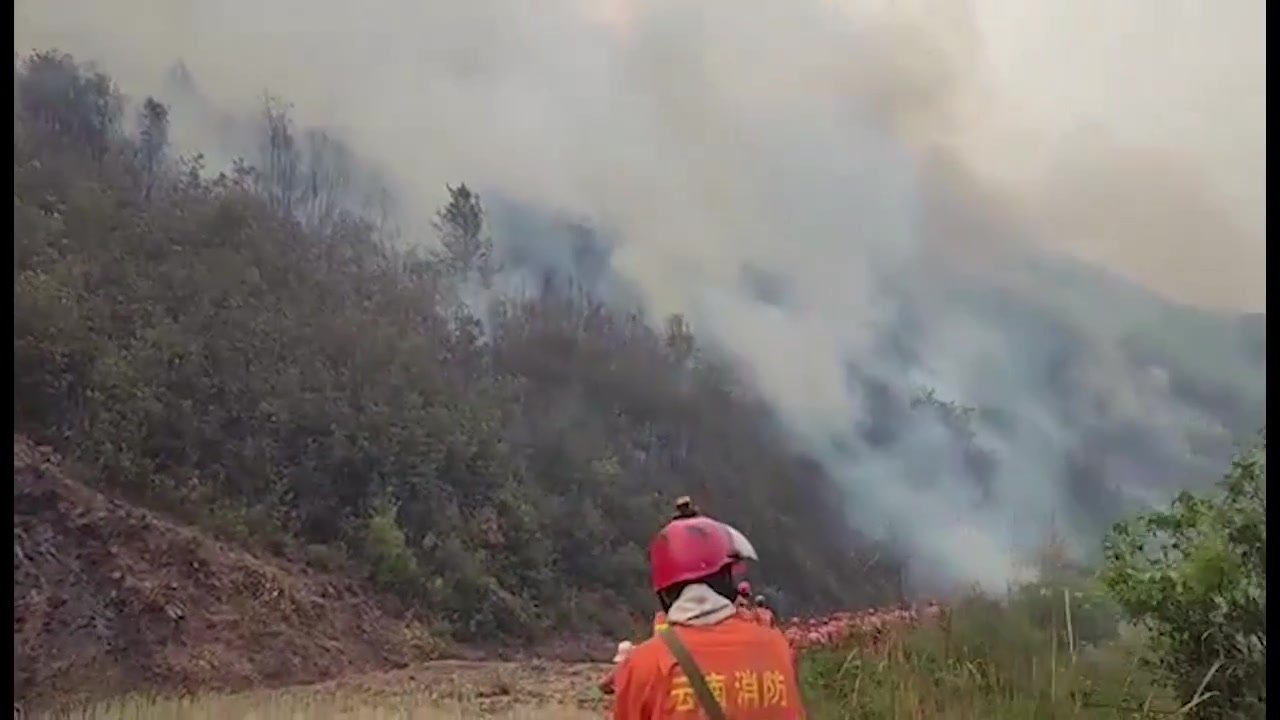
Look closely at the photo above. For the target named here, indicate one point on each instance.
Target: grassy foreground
(985, 661)
(992, 661)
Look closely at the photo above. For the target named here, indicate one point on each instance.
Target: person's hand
(624, 649)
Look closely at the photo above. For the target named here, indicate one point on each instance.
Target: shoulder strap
(691, 671)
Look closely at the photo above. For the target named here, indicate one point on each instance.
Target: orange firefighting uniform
(748, 667)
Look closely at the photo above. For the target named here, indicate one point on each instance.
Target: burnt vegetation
(248, 351)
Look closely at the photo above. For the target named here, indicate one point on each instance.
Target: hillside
(308, 389)
(110, 598)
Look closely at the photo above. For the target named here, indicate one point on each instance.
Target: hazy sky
(1131, 133)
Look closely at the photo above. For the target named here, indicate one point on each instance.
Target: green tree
(153, 142)
(77, 103)
(460, 223)
(279, 174)
(391, 563)
(1196, 576)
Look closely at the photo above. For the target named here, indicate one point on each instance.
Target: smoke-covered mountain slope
(298, 386)
(962, 388)
(995, 389)
(1061, 395)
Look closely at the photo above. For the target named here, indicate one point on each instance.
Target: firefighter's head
(685, 507)
(693, 550)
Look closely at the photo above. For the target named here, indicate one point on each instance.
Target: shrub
(1195, 575)
(391, 565)
(989, 658)
(329, 557)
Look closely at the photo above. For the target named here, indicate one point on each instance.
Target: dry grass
(291, 704)
(446, 689)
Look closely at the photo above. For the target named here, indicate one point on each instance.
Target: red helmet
(695, 547)
(744, 589)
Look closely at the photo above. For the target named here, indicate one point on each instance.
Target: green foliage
(80, 105)
(391, 564)
(986, 660)
(1067, 599)
(329, 558)
(284, 377)
(153, 140)
(1196, 576)
(461, 226)
(1079, 611)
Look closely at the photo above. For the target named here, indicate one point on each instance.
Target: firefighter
(685, 508)
(764, 613)
(708, 659)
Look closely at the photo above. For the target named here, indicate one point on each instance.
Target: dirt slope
(108, 597)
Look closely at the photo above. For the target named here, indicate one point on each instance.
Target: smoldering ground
(851, 200)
